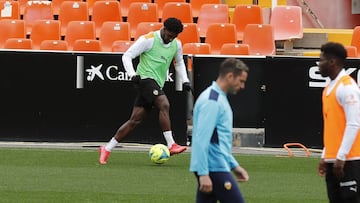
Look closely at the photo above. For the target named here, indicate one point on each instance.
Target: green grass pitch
(54, 175)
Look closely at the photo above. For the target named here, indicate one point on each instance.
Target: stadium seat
(196, 5)
(72, 11)
(44, 30)
(105, 11)
(246, 14)
(10, 10)
(287, 24)
(161, 4)
(179, 10)
(56, 4)
(112, 31)
(196, 48)
(260, 38)
(87, 45)
(219, 34)
(91, 4)
(36, 10)
(79, 30)
(59, 45)
(125, 5)
(190, 33)
(121, 45)
(18, 43)
(234, 49)
(211, 13)
(355, 40)
(141, 12)
(146, 27)
(351, 51)
(11, 29)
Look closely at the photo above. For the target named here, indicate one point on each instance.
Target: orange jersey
(335, 120)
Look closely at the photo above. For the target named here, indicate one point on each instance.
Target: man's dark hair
(334, 50)
(232, 65)
(173, 25)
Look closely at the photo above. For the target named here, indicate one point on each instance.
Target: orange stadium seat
(234, 49)
(56, 4)
(179, 10)
(72, 11)
(11, 29)
(246, 14)
(260, 38)
(351, 51)
(287, 22)
(141, 12)
(18, 43)
(355, 40)
(212, 13)
(87, 45)
(60, 45)
(36, 10)
(146, 27)
(91, 4)
(121, 45)
(125, 5)
(161, 4)
(196, 48)
(112, 31)
(105, 11)
(79, 30)
(44, 30)
(196, 5)
(219, 34)
(9, 10)
(190, 33)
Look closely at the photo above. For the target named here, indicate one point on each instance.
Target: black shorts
(225, 189)
(346, 189)
(148, 90)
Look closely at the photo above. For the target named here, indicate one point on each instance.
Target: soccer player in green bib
(156, 51)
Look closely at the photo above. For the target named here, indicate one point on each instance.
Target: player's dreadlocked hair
(173, 25)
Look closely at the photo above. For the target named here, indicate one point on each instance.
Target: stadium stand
(161, 4)
(190, 33)
(105, 11)
(56, 4)
(196, 5)
(121, 45)
(211, 13)
(44, 30)
(260, 38)
(36, 10)
(196, 48)
(10, 28)
(92, 45)
(246, 14)
(59, 45)
(180, 10)
(72, 11)
(141, 12)
(146, 27)
(18, 43)
(219, 34)
(79, 30)
(112, 31)
(234, 49)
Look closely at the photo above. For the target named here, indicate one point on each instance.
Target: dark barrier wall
(66, 96)
(75, 97)
(283, 94)
(247, 104)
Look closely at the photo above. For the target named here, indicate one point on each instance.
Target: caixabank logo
(95, 72)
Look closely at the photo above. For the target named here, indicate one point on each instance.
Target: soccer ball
(159, 154)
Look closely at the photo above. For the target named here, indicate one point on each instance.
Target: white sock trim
(111, 144)
(169, 138)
